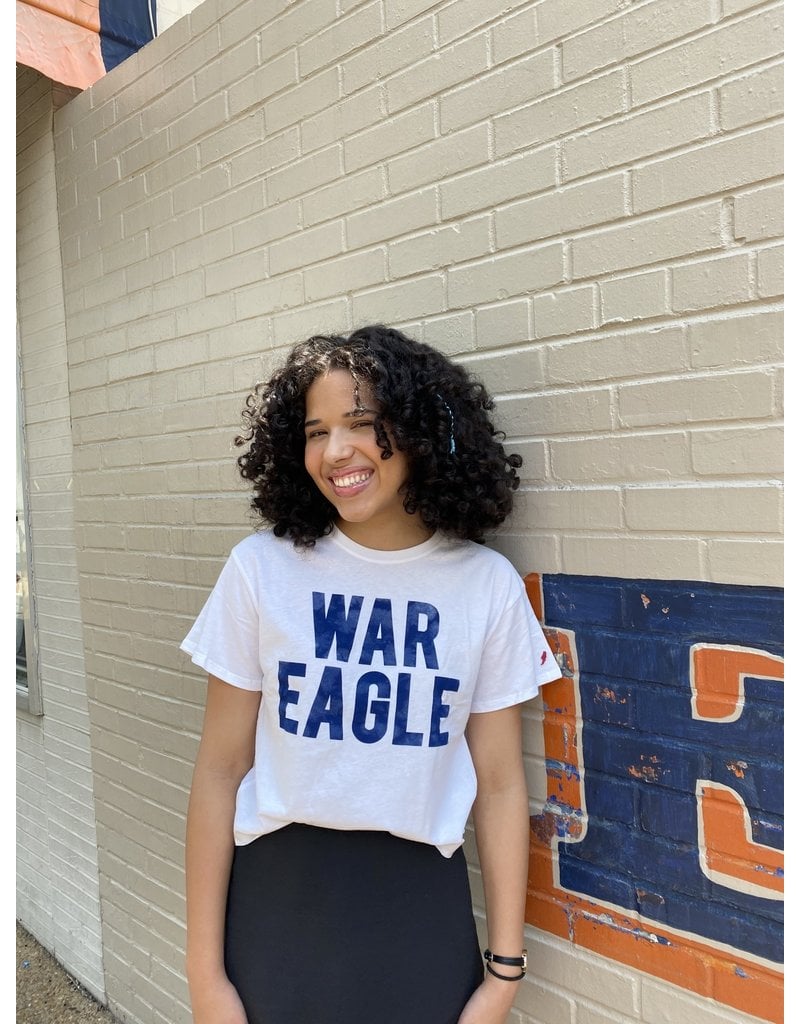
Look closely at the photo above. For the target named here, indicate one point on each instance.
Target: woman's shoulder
(262, 547)
(485, 566)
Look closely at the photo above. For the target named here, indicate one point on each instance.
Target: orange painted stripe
(729, 849)
(717, 673)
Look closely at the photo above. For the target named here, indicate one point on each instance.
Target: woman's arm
(226, 753)
(501, 818)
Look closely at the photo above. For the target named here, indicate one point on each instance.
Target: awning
(75, 42)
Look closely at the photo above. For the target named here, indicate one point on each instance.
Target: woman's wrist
(506, 967)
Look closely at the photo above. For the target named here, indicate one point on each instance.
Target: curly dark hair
(461, 480)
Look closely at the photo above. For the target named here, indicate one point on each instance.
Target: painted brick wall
(580, 201)
(57, 877)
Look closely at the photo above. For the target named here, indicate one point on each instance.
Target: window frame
(29, 696)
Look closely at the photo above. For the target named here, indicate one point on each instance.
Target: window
(29, 695)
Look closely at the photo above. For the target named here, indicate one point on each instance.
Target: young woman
(367, 660)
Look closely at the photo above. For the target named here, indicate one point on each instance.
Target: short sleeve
(516, 660)
(224, 639)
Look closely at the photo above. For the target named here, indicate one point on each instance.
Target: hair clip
(452, 426)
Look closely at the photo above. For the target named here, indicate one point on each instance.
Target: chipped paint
(645, 599)
(605, 693)
(626, 929)
(737, 767)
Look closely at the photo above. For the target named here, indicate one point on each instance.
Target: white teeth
(350, 480)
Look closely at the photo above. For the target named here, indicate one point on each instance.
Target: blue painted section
(125, 26)
(644, 752)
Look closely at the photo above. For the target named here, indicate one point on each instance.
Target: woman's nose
(338, 446)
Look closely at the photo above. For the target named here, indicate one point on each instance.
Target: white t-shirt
(369, 664)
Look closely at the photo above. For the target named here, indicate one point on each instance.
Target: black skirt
(335, 927)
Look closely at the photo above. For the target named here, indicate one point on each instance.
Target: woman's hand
(489, 1003)
(217, 1002)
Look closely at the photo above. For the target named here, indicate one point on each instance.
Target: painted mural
(661, 841)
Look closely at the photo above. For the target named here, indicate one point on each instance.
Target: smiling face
(343, 459)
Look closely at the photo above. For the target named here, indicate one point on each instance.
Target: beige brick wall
(57, 875)
(581, 201)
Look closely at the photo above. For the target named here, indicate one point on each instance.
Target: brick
(708, 284)
(236, 205)
(634, 297)
(297, 24)
(459, 19)
(391, 218)
(235, 135)
(342, 37)
(228, 274)
(626, 555)
(441, 247)
(345, 275)
(564, 312)
(769, 270)
(440, 159)
(561, 114)
(275, 152)
(521, 370)
(487, 187)
(755, 562)
(260, 229)
(738, 451)
(563, 412)
(325, 318)
(196, 253)
(561, 212)
(624, 141)
(394, 136)
(729, 48)
(504, 324)
(233, 25)
(452, 334)
(648, 240)
(758, 214)
(225, 70)
(662, 1004)
(194, 124)
(309, 97)
(728, 396)
(351, 193)
(304, 175)
(267, 80)
(514, 35)
(400, 11)
(744, 340)
(505, 275)
(716, 509)
(388, 54)
(752, 98)
(446, 68)
(714, 167)
(561, 509)
(398, 302)
(620, 458)
(543, 1002)
(647, 27)
(497, 91)
(555, 21)
(349, 115)
(310, 246)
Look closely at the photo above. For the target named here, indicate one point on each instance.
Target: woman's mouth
(349, 483)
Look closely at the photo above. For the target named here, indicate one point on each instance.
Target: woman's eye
(364, 423)
(314, 434)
